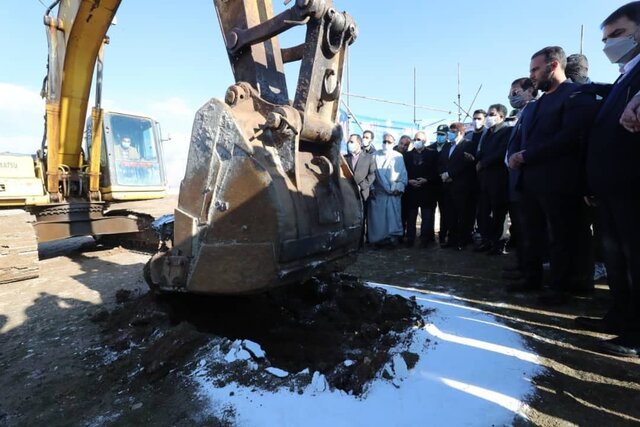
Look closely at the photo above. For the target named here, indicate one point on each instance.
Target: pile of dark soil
(317, 326)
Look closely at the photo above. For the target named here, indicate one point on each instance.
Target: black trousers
(619, 217)
(517, 229)
(459, 214)
(420, 200)
(426, 229)
(483, 211)
(404, 210)
(495, 205)
(568, 238)
(365, 220)
(439, 200)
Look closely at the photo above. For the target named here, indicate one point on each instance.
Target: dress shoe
(552, 297)
(459, 248)
(523, 285)
(496, 250)
(581, 290)
(483, 247)
(511, 267)
(621, 347)
(427, 243)
(512, 275)
(595, 324)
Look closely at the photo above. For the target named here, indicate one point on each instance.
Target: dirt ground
(85, 344)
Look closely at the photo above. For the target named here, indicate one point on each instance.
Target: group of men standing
(572, 152)
(566, 164)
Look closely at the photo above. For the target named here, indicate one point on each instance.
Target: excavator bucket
(266, 198)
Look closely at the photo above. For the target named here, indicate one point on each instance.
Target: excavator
(266, 198)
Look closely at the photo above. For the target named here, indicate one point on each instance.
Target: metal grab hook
(327, 94)
(340, 30)
(323, 168)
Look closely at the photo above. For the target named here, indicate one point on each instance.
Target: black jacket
(493, 175)
(552, 133)
(461, 169)
(613, 153)
(422, 164)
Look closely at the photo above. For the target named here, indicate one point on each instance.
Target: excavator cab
(131, 158)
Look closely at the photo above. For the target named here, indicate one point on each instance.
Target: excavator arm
(266, 198)
(75, 39)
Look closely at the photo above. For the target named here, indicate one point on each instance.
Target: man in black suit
(613, 175)
(441, 144)
(422, 171)
(404, 147)
(547, 151)
(363, 167)
(493, 178)
(457, 172)
(522, 95)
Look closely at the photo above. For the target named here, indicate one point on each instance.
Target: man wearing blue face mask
(441, 137)
(613, 176)
(457, 168)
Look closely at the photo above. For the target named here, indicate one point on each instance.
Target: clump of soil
(315, 326)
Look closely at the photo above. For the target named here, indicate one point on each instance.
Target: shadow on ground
(579, 384)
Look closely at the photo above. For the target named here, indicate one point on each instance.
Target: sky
(442, 379)
(165, 59)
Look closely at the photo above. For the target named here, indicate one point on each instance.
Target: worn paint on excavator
(266, 198)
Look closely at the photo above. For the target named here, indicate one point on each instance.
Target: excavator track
(18, 246)
(145, 240)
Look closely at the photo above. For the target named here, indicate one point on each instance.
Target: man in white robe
(385, 216)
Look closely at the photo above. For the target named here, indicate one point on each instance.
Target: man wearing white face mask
(614, 177)
(385, 216)
(493, 179)
(363, 167)
(422, 171)
(367, 142)
(439, 145)
(478, 126)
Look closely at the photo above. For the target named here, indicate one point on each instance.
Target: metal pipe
(355, 119)
(292, 54)
(423, 107)
(239, 38)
